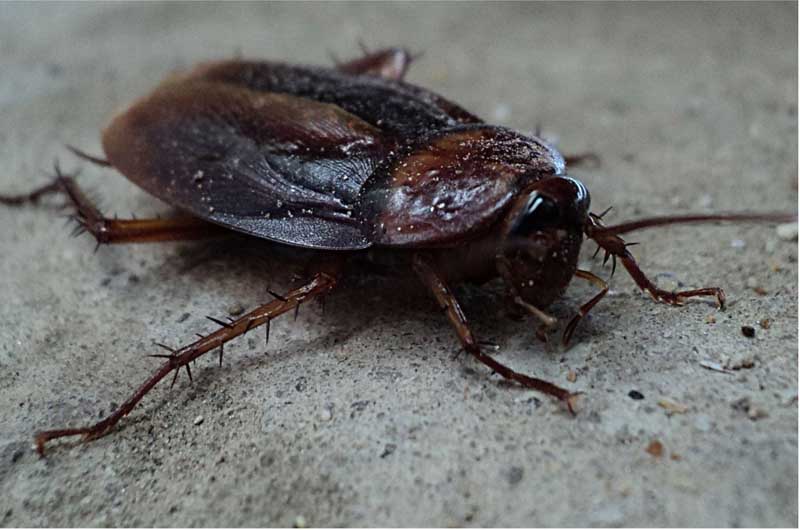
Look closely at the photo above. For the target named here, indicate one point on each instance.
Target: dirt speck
(671, 407)
(235, 309)
(655, 448)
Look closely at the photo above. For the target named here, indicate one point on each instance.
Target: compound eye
(541, 212)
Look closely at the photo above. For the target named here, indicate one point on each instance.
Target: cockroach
(348, 160)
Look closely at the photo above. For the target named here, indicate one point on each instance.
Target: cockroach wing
(453, 184)
(276, 166)
(396, 107)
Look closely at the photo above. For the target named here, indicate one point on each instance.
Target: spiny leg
(31, 197)
(584, 309)
(388, 63)
(439, 289)
(667, 297)
(617, 248)
(180, 358)
(105, 230)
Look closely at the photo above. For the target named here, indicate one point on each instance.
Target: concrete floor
(362, 415)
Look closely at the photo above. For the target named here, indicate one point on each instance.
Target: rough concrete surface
(362, 415)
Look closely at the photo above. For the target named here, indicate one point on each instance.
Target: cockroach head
(542, 236)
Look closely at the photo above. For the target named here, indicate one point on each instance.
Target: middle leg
(615, 247)
(439, 289)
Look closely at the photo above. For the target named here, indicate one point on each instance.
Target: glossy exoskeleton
(347, 159)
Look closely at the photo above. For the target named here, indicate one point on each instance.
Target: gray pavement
(361, 415)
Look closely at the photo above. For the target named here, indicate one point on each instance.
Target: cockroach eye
(540, 212)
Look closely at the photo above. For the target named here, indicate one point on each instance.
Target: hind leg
(105, 230)
(178, 359)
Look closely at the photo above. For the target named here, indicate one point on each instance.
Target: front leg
(615, 247)
(439, 289)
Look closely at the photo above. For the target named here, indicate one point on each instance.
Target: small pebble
(787, 231)
(671, 407)
(326, 414)
(655, 448)
(760, 291)
(388, 449)
(738, 243)
(572, 376)
(748, 331)
(753, 411)
(636, 395)
(515, 475)
(235, 309)
(742, 404)
(751, 282)
(740, 361)
(299, 522)
(711, 319)
(183, 317)
(765, 323)
(198, 420)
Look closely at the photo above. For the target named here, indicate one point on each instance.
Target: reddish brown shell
(272, 165)
(454, 184)
(318, 158)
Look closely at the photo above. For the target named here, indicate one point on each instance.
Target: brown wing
(396, 107)
(454, 184)
(277, 166)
